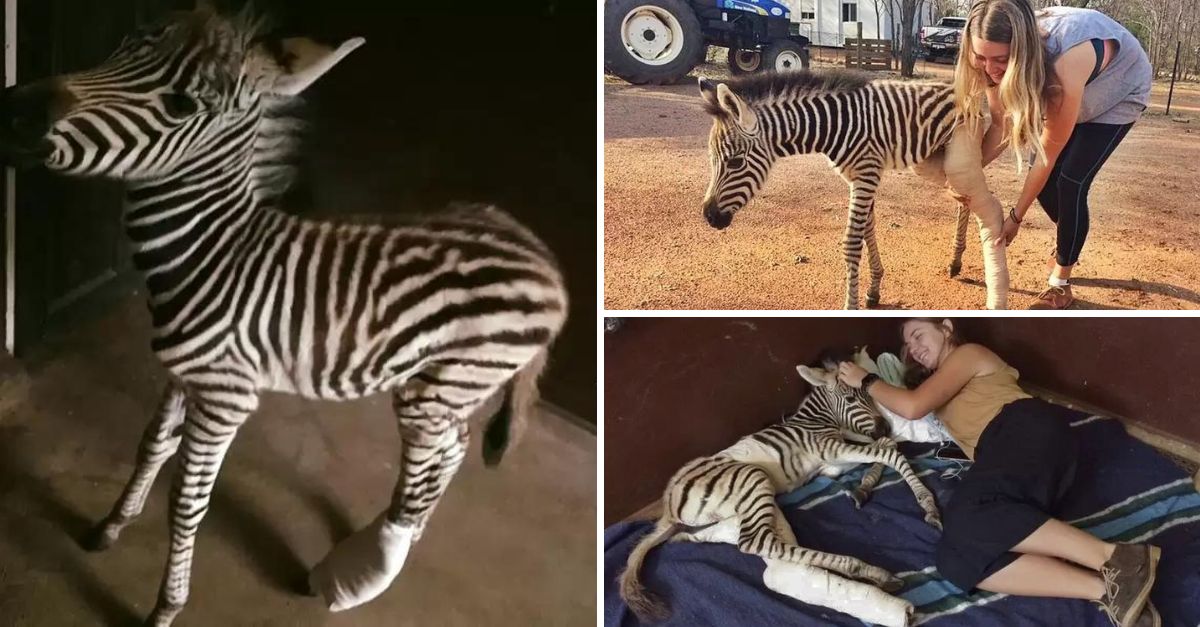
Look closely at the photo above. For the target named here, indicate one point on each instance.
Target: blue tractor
(659, 41)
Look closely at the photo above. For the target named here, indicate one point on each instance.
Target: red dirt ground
(783, 250)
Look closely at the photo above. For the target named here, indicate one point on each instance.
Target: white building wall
(827, 29)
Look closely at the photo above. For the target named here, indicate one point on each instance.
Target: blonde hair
(1026, 82)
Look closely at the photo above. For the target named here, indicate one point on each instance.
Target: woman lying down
(1000, 533)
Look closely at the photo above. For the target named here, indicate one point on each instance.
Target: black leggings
(1064, 198)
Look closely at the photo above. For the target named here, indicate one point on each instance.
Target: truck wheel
(744, 61)
(651, 41)
(784, 55)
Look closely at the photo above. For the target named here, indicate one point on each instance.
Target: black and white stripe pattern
(444, 312)
(730, 496)
(863, 126)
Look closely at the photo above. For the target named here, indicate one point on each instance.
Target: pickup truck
(942, 40)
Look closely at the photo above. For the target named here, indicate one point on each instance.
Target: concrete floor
(509, 546)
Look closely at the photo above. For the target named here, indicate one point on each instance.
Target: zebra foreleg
(364, 565)
(891, 458)
(159, 443)
(208, 431)
(872, 476)
(862, 194)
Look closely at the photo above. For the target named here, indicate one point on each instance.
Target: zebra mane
(771, 86)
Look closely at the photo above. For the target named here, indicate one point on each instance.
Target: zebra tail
(647, 606)
(505, 429)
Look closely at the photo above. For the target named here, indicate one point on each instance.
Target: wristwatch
(1012, 214)
(867, 381)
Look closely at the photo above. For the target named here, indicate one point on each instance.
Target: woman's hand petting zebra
(444, 313)
(863, 126)
(729, 497)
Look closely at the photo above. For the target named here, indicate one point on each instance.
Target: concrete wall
(675, 389)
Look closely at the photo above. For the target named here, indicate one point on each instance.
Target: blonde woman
(1001, 531)
(1063, 85)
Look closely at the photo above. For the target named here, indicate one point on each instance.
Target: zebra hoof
(859, 497)
(97, 538)
(934, 520)
(892, 585)
(955, 268)
(872, 301)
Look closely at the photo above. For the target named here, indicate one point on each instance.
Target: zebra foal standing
(863, 127)
(730, 496)
(444, 313)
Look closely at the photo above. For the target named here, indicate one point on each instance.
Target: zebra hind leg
(873, 258)
(434, 435)
(159, 443)
(858, 222)
(760, 534)
(960, 240)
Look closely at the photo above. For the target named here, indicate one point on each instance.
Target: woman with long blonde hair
(1063, 86)
(1003, 526)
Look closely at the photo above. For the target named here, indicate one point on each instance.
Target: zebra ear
(737, 108)
(816, 377)
(287, 67)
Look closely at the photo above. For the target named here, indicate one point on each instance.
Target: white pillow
(891, 369)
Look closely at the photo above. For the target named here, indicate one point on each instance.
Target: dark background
(446, 101)
(676, 388)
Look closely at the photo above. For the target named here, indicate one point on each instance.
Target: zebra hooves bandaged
(362, 566)
(820, 587)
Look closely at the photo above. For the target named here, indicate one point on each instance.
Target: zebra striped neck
(190, 229)
(803, 123)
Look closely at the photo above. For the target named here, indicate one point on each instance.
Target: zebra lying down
(730, 497)
(863, 126)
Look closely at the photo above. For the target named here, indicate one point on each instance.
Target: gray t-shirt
(1121, 91)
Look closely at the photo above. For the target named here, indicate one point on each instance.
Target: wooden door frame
(8, 210)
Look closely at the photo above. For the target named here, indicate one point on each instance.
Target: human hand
(1010, 230)
(851, 374)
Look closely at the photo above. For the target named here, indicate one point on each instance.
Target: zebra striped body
(862, 126)
(445, 312)
(730, 496)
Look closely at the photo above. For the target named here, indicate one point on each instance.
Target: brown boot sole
(1141, 600)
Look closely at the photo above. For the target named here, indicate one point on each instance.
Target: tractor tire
(653, 42)
(783, 55)
(742, 61)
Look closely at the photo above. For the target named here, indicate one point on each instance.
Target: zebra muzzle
(716, 218)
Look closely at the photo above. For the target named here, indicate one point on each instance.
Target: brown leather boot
(1054, 298)
(1128, 578)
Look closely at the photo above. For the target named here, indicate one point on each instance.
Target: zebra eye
(735, 163)
(178, 105)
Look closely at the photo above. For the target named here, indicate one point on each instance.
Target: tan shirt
(970, 411)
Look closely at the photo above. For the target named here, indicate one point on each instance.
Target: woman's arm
(964, 363)
(1072, 68)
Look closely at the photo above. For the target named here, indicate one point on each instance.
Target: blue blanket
(1124, 491)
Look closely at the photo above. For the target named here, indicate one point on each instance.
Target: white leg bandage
(362, 566)
(819, 587)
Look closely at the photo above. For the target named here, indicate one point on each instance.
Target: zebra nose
(27, 111)
(716, 218)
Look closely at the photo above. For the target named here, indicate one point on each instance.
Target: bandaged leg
(362, 566)
(823, 588)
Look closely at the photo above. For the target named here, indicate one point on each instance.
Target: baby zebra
(863, 126)
(730, 496)
(443, 313)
